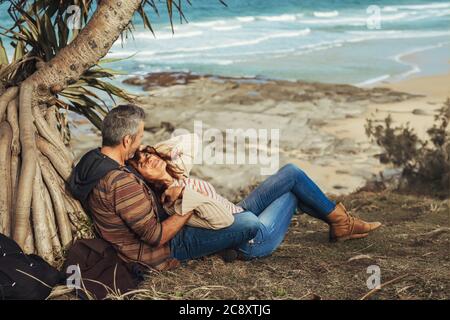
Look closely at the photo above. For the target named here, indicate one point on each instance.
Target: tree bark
(28, 167)
(42, 235)
(12, 118)
(57, 200)
(5, 177)
(52, 137)
(91, 44)
(5, 98)
(62, 167)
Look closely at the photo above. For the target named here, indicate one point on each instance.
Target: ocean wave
(201, 60)
(166, 35)
(395, 34)
(325, 45)
(421, 6)
(361, 20)
(287, 34)
(397, 16)
(354, 21)
(325, 14)
(373, 80)
(122, 54)
(213, 23)
(399, 57)
(246, 19)
(389, 9)
(227, 28)
(283, 17)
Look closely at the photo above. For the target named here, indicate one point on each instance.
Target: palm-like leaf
(40, 31)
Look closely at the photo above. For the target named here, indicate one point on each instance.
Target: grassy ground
(412, 248)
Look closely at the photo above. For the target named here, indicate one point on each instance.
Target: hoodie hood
(91, 168)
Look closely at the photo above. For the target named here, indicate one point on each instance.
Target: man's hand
(172, 225)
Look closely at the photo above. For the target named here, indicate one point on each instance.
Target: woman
(274, 201)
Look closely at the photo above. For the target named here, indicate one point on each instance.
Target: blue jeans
(259, 230)
(275, 201)
(191, 242)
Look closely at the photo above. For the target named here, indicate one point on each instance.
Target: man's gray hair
(121, 121)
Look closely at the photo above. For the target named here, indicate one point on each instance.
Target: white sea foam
(283, 17)
(325, 14)
(120, 54)
(399, 57)
(166, 35)
(395, 34)
(246, 19)
(389, 9)
(287, 34)
(359, 20)
(227, 28)
(373, 80)
(340, 21)
(209, 23)
(422, 6)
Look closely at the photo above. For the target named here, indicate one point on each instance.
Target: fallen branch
(371, 292)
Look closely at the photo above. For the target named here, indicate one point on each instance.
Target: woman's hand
(172, 194)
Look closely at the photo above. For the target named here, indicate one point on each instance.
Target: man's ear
(126, 141)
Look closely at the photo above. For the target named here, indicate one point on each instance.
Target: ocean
(355, 42)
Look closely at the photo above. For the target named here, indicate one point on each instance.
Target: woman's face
(152, 167)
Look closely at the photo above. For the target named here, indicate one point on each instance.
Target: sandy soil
(418, 111)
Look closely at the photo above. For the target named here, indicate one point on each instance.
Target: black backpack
(22, 276)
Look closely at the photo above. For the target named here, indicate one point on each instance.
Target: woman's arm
(208, 212)
(183, 150)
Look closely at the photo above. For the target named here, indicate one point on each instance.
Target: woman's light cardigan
(208, 212)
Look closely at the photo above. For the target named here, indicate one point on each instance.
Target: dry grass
(411, 249)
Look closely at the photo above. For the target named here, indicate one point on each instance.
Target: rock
(420, 112)
(135, 81)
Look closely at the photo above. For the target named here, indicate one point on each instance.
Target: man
(126, 212)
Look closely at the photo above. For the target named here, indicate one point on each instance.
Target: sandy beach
(419, 111)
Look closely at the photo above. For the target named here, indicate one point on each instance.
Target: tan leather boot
(343, 226)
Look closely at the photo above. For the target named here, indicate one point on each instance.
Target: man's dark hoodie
(91, 168)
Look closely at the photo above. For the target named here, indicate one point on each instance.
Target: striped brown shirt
(125, 214)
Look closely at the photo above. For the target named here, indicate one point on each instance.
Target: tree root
(51, 180)
(5, 98)
(42, 237)
(5, 178)
(61, 166)
(52, 136)
(28, 166)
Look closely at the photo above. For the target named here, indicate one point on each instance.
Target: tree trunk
(92, 43)
(36, 208)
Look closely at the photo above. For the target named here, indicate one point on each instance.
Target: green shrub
(425, 164)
